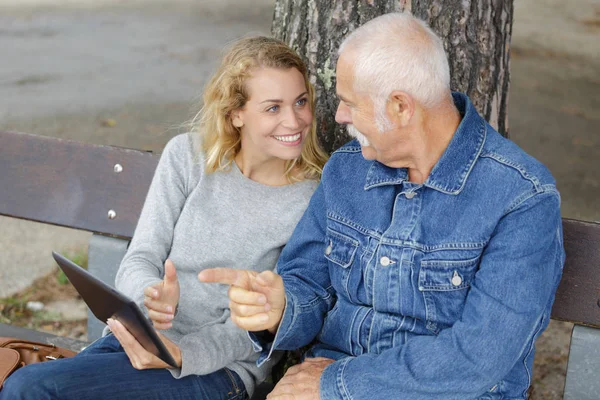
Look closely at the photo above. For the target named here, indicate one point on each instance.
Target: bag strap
(56, 352)
(5, 341)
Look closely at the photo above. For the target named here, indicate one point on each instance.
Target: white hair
(397, 51)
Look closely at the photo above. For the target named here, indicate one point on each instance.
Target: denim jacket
(425, 291)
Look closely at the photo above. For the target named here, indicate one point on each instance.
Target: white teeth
(292, 138)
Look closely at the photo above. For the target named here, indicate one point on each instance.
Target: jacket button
(328, 249)
(456, 279)
(385, 261)
(410, 195)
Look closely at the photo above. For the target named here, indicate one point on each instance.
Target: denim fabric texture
(425, 291)
(103, 371)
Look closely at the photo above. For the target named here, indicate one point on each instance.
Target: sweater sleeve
(213, 347)
(143, 264)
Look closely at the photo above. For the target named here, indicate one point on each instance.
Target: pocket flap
(340, 248)
(447, 274)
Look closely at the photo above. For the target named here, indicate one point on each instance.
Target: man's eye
(301, 102)
(273, 109)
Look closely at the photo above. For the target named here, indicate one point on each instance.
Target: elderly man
(426, 264)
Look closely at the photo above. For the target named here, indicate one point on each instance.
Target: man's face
(356, 111)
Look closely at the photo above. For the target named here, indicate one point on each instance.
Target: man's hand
(141, 358)
(301, 382)
(161, 299)
(256, 300)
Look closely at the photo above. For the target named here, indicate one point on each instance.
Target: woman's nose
(291, 120)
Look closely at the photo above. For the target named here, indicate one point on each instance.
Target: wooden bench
(101, 189)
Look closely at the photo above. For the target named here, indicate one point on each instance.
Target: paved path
(68, 65)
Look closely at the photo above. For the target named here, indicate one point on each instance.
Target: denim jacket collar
(381, 175)
(452, 170)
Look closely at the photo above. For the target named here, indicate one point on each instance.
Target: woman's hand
(256, 300)
(161, 299)
(141, 358)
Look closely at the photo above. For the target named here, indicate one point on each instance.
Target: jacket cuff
(331, 386)
(260, 342)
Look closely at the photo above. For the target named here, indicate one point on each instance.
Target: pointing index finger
(227, 276)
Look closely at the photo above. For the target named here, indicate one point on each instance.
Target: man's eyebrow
(279, 100)
(342, 98)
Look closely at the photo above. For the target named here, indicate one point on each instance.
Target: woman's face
(277, 117)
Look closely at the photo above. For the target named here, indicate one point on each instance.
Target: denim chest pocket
(340, 251)
(444, 285)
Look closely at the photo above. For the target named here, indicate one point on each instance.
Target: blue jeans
(103, 371)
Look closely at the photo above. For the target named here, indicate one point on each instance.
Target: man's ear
(236, 119)
(400, 107)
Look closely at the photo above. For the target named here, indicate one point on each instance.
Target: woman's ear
(236, 119)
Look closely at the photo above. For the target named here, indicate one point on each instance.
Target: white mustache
(352, 131)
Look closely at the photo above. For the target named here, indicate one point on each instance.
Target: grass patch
(52, 287)
(80, 258)
(14, 311)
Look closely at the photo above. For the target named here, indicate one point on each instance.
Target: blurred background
(130, 73)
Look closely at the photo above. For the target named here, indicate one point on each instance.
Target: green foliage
(12, 308)
(61, 277)
(80, 258)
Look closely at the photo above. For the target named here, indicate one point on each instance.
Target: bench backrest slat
(72, 184)
(578, 296)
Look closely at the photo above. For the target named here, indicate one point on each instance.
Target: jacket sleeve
(501, 316)
(305, 273)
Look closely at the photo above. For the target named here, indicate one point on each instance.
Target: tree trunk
(476, 35)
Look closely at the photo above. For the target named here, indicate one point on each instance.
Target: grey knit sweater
(203, 221)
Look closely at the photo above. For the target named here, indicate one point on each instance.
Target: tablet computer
(106, 302)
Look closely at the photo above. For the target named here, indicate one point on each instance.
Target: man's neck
(433, 134)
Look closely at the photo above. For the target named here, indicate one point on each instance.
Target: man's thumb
(170, 273)
(268, 278)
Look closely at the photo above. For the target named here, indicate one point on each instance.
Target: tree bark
(476, 35)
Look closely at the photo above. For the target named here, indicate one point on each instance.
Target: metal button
(112, 214)
(328, 249)
(456, 279)
(410, 195)
(385, 261)
(118, 168)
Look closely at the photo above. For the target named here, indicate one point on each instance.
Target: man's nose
(342, 115)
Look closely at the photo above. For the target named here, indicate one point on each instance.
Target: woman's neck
(269, 171)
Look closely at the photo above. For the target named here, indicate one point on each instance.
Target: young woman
(227, 194)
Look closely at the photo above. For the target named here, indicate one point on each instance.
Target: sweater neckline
(249, 182)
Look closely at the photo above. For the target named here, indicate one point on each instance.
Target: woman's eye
(273, 109)
(301, 102)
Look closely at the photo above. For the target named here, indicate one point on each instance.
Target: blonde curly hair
(226, 91)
